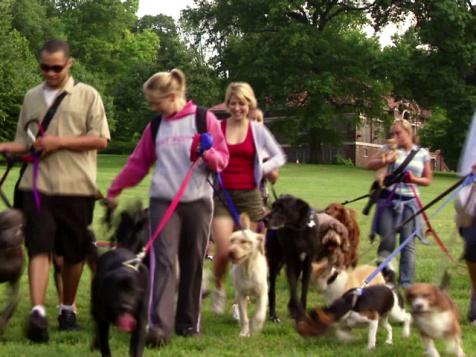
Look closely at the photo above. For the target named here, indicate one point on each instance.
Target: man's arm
(51, 143)
(13, 147)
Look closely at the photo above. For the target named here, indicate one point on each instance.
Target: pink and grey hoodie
(171, 153)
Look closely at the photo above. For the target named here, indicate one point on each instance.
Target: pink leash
(171, 208)
(133, 263)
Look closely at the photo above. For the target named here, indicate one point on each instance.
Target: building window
(366, 152)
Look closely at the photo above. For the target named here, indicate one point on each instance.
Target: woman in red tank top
(246, 143)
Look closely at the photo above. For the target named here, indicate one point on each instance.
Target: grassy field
(319, 185)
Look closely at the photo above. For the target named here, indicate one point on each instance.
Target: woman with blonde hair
(246, 141)
(169, 149)
(398, 202)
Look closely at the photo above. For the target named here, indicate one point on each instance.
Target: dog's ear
(245, 221)
(302, 207)
(260, 241)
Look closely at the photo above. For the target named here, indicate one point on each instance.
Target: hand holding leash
(200, 144)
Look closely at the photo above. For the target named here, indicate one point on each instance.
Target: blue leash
(229, 202)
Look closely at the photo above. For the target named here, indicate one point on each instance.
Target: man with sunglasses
(65, 180)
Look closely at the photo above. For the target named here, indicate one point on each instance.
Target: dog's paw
(244, 334)
(345, 336)
(275, 319)
(389, 342)
(256, 326)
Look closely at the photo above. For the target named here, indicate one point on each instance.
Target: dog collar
(333, 277)
(312, 222)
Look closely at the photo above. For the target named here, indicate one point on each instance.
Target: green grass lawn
(319, 185)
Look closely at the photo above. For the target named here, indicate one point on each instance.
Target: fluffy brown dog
(348, 217)
(436, 317)
(11, 259)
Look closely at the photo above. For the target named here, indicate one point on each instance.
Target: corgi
(436, 318)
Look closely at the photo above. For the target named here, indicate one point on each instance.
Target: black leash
(10, 163)
(356, 199)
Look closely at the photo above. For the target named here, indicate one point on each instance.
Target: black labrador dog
(120, 286)
(11, 259)
(293, 239)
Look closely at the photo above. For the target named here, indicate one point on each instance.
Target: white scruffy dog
(250, 275)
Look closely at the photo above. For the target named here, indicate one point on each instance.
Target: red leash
(430, 229)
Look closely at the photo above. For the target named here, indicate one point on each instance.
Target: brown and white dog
(373, 305)
(436, 318)
(250, 275)
(332, 283)
(348, 217)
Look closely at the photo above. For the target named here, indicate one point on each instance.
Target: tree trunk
(315, 146)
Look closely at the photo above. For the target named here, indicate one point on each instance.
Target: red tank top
(239, 174)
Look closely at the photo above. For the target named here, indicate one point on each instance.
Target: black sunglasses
(55, 68)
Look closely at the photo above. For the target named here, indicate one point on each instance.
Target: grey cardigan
(266, 147)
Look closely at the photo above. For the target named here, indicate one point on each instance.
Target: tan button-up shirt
(65, 172)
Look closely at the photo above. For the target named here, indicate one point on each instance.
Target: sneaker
(218, 304)
(37, 328)
(187, 332)
(235, 312)
(67, 321)
(153, 338)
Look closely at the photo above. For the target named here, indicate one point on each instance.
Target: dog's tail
(315, 323)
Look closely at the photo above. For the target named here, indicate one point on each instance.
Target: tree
(307, 59)
(435, 64)
(18, 71)
(37, 21)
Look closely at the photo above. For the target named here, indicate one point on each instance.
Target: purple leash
(36, 169)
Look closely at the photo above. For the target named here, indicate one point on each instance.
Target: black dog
(11, 259)
(293, 239)
(120, 286)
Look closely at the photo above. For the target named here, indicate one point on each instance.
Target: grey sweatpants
(185, 238)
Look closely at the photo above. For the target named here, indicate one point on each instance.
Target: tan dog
(250, 275)
(348, 217)
(436, 318)
(385, 152)
(332, 283)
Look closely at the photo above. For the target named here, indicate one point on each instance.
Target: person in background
(256, 115)
(185, 236)
(397, 202)
(467, 230)
(247, 141)
(66, 181)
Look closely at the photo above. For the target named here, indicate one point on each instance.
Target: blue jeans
(469, 236)
(387, 221)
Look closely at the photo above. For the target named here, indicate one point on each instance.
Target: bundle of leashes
(454, 189)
